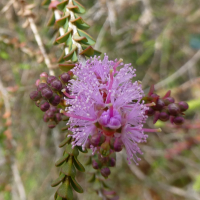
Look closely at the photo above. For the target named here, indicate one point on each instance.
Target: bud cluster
(48, 96)
(165, 108)
(106, 152)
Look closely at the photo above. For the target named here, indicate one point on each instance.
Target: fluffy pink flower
(104, 100)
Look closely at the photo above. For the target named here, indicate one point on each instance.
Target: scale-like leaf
(65, 141)
(65, 190)
(90, 41)
(78, 165)
(75, 185)
(62, 20)
(71, 151)
(58, 180)
(62, 5)
(64, 37)
(80, 23)
(66, 66)
(62, 160)
(46, 2)
(81, 8)
(68, 168)
(52, 20)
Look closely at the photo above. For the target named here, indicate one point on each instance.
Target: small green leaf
(71, 53)
(68, 168)
(60, 60)
(97, 53)
(62, 160)
(79, 39)
(65, 190)
(62, 5)
(80, 149)
(65, 141)
(51, 20)
(81, 9)
(78, 165)
(64, 37)
(89, 51)
(80, 23)
(66, 66)
(74, 57)
(105, 185)
(59, 198)
(62, 20)
(46, 2)
(55, 196)
(71, 151)
(58, 180)
(75, 185)
(90, 41)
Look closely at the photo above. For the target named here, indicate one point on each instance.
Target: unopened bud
(56, 84)
(44, 106)
(150, 111)
(173, 109)
(169, 100)
(55, 100)
(35, 95)
(41, 86)
(45, 118)
(46, 93)
(183, 106)
(159, 104)
(95, 139)
(37, 82)
(116, 144)
(50, 114)
(112, 162)
(65, 77)
(50, 79)
(163, 116)
(51, 124)
(95, 165)
(178, 120)
(43, 76)
(105, 172)
(58, 117)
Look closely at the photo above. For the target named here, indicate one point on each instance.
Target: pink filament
(67, 95)
(78, 117)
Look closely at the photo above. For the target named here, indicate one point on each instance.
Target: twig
(179, 72)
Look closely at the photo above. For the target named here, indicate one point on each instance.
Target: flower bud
(56, 84)
(58, 117)
(183, 106)
(159, 104)
(46, 93)
(112, 162)
(45, 118)
(163, 116)
(35, 95)
(37, 82)
(116, 144)
(54, 109)
(41, 86)
(65, 77)
(55, 100)
(105, 149)
(95, 140)
(44, 106)
(51, 124)
(150, 111)
(50, 114)
(178, 120)
(50, 79)
(173, 109)
(43, 76)
(95, 164)
(169, 100)
(105, 172)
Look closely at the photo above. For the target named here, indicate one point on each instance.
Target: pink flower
(104, 100)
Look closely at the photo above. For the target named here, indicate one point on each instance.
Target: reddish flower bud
(55, 100)
(65, 77)
(95, 140)
(173, 109)
(50, 114)
(178, 120)
(150, 112)
(35, 95)
(51, 124)
(50, 79)
(58, 117)
(44, 76)
(95, 164)
(183, 106)
(54, 109)
(46, 93)
(163, 116)
(159, 104)
(37, 82)
(44, 106)
(116, 144)
(112, 162)
(56, 84)
(45, 118)
(105, 172)
(41, 86)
